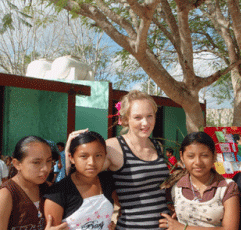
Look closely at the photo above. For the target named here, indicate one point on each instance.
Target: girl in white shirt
(83, 199)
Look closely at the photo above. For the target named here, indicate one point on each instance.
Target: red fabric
(233, 130)
(172, 160)
(211, 131)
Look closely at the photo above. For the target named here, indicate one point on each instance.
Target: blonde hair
(126, 102)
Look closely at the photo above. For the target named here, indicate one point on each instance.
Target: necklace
(136, 153)
(37, 204)
(132, 145)
(146, 157)
(198, 189)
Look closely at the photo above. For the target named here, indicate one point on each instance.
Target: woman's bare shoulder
(111, 141)
(114, 153)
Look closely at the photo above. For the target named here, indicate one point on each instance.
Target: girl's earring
(184, 166)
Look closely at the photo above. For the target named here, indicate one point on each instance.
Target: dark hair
(170, 150)
(54, 150)
(22, 145)
(236, 137)
(20, 151)
(61, 144)
(198, 137)
(84, 138)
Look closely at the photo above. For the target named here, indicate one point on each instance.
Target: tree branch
(171, 21)
(212, 78)
(171, 38)
(101, 20)
(145, 12)
(117, 19)
(183, 8)
(224, 29)
(137, 8)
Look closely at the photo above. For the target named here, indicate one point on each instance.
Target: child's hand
(71, 137)
(67, 153)
(170, 223)
(49, 226)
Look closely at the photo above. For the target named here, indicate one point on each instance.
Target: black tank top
(138, 189)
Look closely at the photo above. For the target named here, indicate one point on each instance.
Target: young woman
(137, 164)
(83, 199)
(21, 203)
(203, 199)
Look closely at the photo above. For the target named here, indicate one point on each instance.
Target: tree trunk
(236, 81)
(186, 97)
(194, 117)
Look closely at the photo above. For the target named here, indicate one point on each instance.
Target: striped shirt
(138, 188)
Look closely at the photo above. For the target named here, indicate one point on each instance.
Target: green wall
(174, 127)
(93, 119)
(21, 116)
(92, 112)
(53, 115)
(44, 114)
(33, 112)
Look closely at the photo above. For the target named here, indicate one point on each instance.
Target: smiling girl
(83, 199)
(203, 199)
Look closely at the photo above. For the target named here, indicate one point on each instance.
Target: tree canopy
(158, 33)
(149, 29)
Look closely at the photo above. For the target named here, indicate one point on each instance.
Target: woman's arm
(230, 219)
(6, 204)
(114, 158)
(54, 210)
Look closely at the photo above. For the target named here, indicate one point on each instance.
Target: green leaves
(6, 23)
(12, 11)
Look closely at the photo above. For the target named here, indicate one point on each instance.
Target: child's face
(89, 159)
(36, 165)
(60, 148)
(168, 154)
(198, 159)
